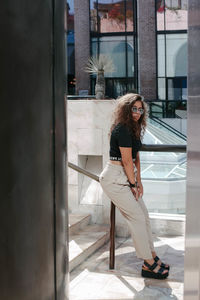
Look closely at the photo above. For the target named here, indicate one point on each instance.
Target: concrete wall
(89, 123)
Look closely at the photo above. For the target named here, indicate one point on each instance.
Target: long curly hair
(123, 114)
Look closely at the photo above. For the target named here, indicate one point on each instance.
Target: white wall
(88, 127)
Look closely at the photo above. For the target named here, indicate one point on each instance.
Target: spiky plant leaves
(102, 63)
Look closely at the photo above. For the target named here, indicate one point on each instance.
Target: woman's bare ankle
(150, 261)
(153, 254)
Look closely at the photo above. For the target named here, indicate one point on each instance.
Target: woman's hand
(135, 192)
(140, 188)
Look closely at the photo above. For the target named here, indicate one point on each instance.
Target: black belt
(117, 158)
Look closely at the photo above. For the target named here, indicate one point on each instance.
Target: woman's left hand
(140, 189)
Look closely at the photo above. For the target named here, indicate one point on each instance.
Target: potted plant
(98, 66)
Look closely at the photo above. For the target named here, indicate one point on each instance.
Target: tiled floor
(92, 280)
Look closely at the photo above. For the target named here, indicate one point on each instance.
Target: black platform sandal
(151, 274)
(162, 264)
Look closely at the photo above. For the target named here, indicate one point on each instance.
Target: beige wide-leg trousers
(115, 184)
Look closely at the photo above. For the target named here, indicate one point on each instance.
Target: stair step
(86, 242)
(78, 222)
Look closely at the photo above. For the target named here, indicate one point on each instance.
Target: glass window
(93, 16)
(176, 14)
(160, 9)
(173, 4)
(94, 45)
(70, 15)
(174, 89)
(184, 89)
(108, 19)
(172, 14)
(130, 86)
(70, 53)
(130, 56)
(115, 48)
(161, 55)
(177, 88)
(161, 89)
(70, 47)
(172, 53)
(71, 6)
(156, 109)
(118, 86)
(129, 16)
(111, 14)
(176, 55)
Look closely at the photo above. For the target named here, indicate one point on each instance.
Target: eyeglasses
(139, 110)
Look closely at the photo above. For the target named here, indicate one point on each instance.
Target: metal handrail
(157, 148)
(83, 171)
(163, 148)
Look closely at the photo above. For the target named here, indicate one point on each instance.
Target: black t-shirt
(122, 137)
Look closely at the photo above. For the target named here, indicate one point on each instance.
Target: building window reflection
(70, 46)
(111, 16)
(172, 50)
(113, 33)
(172, 14)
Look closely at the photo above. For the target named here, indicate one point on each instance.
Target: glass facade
(171, 14)
(112, 27)
(70, 46)
(113, 31)
(111, 16)
(172, 54)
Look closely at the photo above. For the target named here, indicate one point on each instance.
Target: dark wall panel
(60, 83)
(32, 195)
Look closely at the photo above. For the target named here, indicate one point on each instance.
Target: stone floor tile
(93, 280)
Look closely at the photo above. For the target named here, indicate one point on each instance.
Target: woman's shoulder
(121, 129)
(121, 126)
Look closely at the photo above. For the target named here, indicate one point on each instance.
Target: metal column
(33, 249)
(192, 243)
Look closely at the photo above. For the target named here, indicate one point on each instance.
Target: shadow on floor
(125, 282)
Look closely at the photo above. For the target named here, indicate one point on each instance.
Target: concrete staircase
(84, 238)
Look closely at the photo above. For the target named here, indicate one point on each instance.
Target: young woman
(121, 180)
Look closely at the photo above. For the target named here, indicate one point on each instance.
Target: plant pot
(100, 86)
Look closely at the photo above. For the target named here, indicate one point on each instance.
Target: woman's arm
(127, 161)
(139, 183)
(137, 164)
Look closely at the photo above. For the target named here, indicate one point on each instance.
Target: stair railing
(170, 128)
(154, 148)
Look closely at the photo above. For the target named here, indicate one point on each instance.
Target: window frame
(126, 34)
(165, 33)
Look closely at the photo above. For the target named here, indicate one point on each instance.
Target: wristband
(132, 185)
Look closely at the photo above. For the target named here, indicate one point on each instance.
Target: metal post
(192, 237)
(112, 237)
